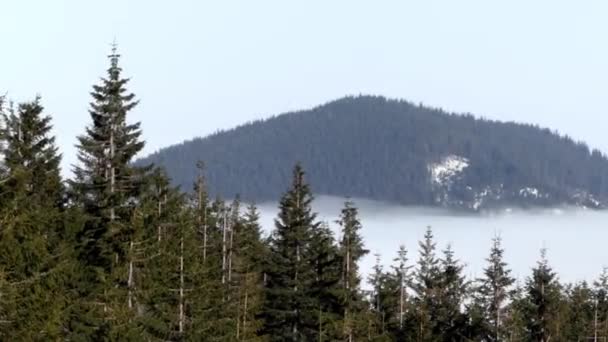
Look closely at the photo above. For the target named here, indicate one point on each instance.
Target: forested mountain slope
(395, 151)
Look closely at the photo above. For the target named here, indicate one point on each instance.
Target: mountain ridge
(384, 149)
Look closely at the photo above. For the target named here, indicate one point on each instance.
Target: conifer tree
(211, 309)
(106, 187)
(33, 255)
(450, 322)
(250, 256)
(600, 294)
(290, 313)
(380, 298)
(154, 258)
(515, 324)
(426, 288)
(352, 250)
(208, 294)
(543, 297)
(397, 312)
(494, 293)
(579, 321)
(325, 289)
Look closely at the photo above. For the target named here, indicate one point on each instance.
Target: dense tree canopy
(375, 148)
(120, 254)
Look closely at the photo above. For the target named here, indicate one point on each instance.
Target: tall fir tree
(210, 306)
(494, 293)
(579, 320)
(250, 255)
(381, 298)
(33, 255)
(600, 294)
(352, 250)
(426, 288)
(543, 299)
(399, 316)
(325, 289)
(451, 322)
(106, 187)
(154, 259)
(290, 313)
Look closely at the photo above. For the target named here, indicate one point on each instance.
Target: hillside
(395, 151)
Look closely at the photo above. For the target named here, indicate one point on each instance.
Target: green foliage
(494, 292)
(33, 253)
(542, 304)
(304, 297)
(122, 255)
(351, 250)
(338, 142)
(106, 187)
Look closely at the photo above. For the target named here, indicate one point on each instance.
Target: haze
(575, 239)
(199, 66)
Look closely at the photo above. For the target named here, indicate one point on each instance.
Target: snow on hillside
(444, 171)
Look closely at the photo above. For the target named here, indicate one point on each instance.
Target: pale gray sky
(198, 66)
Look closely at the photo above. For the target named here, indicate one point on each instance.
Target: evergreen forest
(381, 149)
(119, 253)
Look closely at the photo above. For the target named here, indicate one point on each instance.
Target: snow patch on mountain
(489, 193)
(443, 172)
(585, 199)
(532, 193)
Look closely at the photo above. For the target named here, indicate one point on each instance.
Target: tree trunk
(130, 277)
(181, 287)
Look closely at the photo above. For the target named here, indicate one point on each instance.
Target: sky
(200, 66)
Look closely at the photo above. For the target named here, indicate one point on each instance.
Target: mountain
(396, 151)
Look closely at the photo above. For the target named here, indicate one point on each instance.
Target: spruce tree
(450, 322)
(352, 250)
(600, 294)
(250, 256)
(211, 309)
(398, 315)
(580, 313)
(381, 299)
(154, 266)
(325, 288)
(427, 286)
(543, 299)
(290, 312)
(515, 323)
(494, 293)
(33, 255)
(106, 187)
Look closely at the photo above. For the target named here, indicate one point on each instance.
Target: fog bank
(575, 238)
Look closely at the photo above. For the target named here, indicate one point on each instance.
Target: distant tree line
(118, 254)
(371, 147)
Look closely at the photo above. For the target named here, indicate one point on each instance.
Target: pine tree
(325, 288)
(494, 293)
(250, 256)
(579, 322)
(398, 315)
(600, 294)
(106, 187)
(160, 219)
(543, 298)
(450, 322)
(290, 314)
(381, 296)
(515, 324)
(215, 310)
(426, 288)
(33, 255)
(352, 250)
